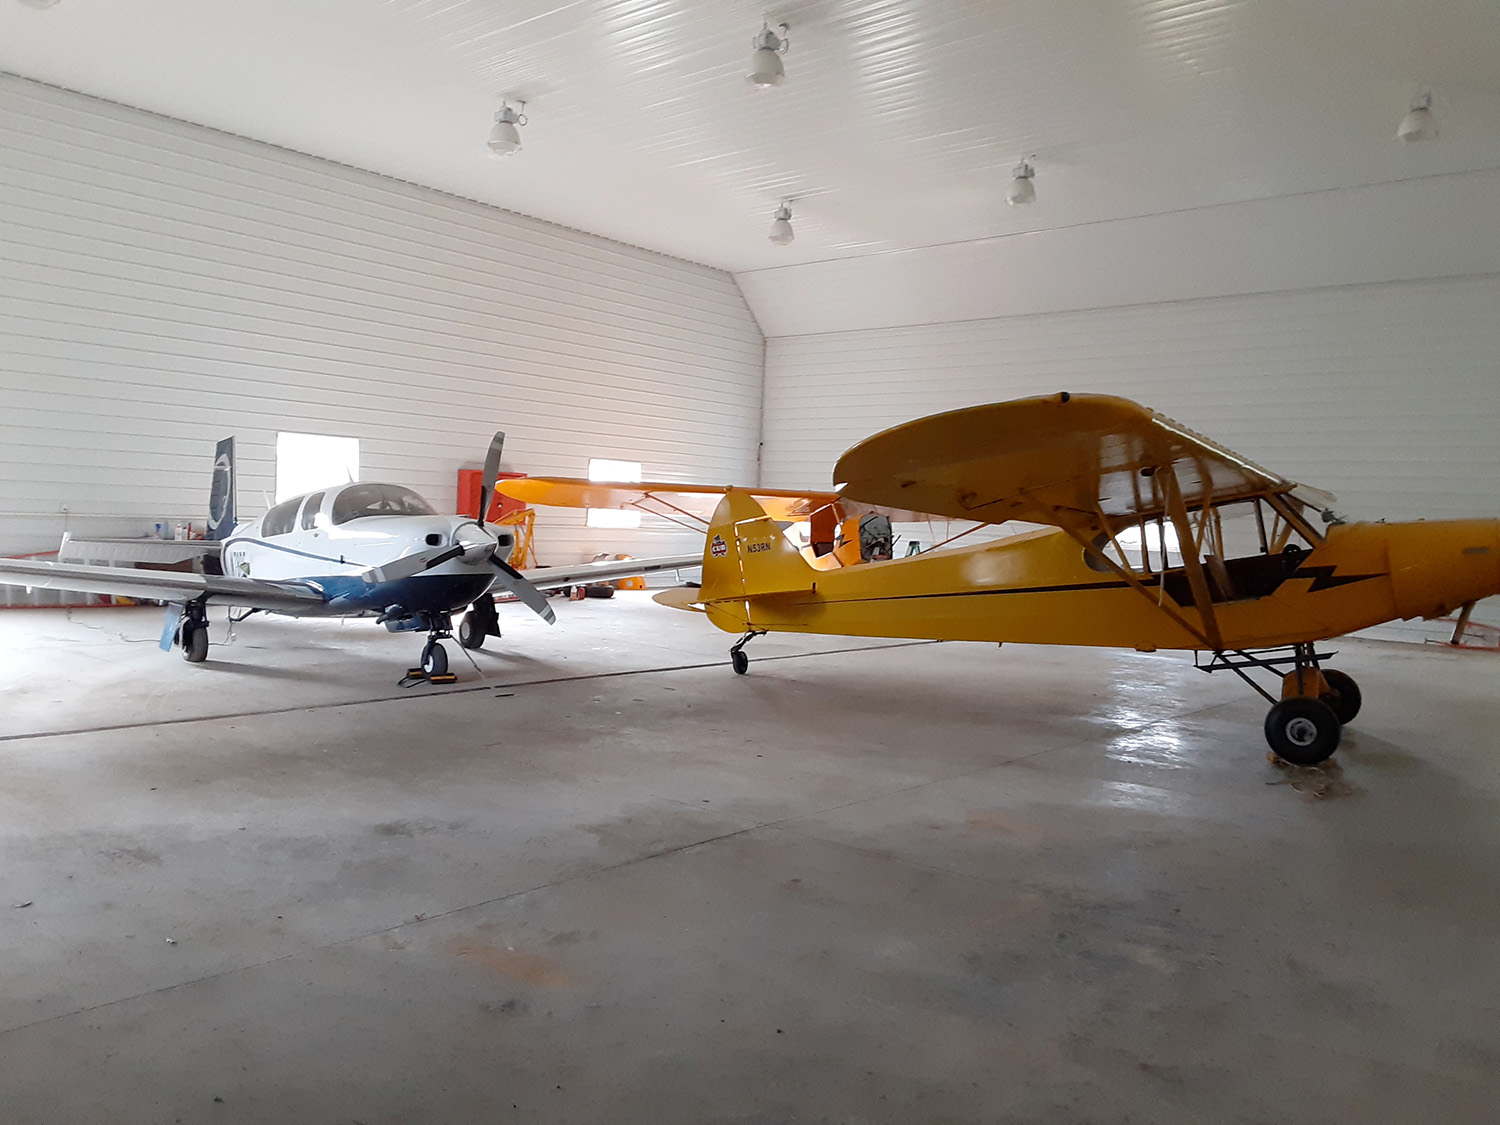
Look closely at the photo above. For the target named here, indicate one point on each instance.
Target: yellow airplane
(1155, 538)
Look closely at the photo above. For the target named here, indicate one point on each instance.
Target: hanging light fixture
(1418, 124)
(505, 137)
(781, 224)
(1022, 190)
(765, 60)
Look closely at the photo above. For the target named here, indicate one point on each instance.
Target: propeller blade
(408, 565)
(524, 591)
(491, 474)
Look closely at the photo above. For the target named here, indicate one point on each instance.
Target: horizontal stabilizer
(679, 597)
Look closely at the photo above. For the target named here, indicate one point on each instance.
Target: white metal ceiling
(897, 126)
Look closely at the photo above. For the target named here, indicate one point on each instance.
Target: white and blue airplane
(355, 550)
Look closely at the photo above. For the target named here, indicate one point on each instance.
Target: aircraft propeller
(507, 576)
(491, 475)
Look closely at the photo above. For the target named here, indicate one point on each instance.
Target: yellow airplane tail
(746, 554)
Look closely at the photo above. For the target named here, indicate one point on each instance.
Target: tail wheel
(470, 635)
(739, 661)
(1343, 695)
(194, 642)
(1303, 731)
(434, 659)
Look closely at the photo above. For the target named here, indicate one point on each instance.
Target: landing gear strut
(192, 633)
(434, 667)
(481, 621)
(737, 658)
(1305, 724)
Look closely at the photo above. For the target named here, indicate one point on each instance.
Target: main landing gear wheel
(470, 633)
(1343, 695)
(194, 641)
(434, 659)
(1303, 731)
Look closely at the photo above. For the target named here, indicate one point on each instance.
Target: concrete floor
(613, 882)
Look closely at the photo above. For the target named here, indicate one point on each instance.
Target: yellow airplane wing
(1062, 460)
(696, 501)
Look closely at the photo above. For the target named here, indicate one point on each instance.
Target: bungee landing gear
(1305, 724)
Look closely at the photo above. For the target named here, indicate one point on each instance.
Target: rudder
(746, 554)
(221, 515)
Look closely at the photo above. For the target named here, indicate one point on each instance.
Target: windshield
(378, 500)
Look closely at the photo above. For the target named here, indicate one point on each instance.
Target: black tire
(1303, 731)
(1344, 695)
(434, 659)
(470, 635)
(194, 643)
(739, 661)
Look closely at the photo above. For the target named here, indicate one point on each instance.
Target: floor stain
(527, 968)
(1320, 781)
(411, 827)
(135, 855)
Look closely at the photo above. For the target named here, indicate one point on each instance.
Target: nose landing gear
(434, 666)
(434, 658)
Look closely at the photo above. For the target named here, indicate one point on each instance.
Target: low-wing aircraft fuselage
(358, 549)
(338, 539)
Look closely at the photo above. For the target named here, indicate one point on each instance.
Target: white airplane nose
(475, 541)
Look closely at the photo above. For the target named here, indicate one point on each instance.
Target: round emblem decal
(718, 548)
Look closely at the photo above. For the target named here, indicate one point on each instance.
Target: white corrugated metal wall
(1387, 395)
(163, 285)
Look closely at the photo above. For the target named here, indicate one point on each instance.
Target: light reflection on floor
(1141, 710)
(1158, 745)
(1144, 798)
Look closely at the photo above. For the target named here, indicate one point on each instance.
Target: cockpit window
(310, 511)
(358, 500)
(279, 520)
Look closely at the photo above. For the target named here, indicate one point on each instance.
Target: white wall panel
(1387, 395)
(1434, 226)
(163, 285)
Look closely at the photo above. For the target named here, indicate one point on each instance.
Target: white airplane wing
(551, 577)
(159, 585)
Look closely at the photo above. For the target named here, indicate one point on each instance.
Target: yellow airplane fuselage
(1040, 588)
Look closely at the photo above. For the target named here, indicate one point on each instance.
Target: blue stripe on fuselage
(421, 593)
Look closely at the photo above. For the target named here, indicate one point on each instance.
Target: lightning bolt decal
(1324, 578)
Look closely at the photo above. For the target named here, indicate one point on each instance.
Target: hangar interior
(601, 877)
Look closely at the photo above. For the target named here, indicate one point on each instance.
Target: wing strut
(1134, 582)
(1129, 576)
(1191, 560)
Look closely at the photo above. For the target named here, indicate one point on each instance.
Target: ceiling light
(765, 60)
(1419, 124)
(505, 138)
(781, 225)
(39, 3)
(1022, 190)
